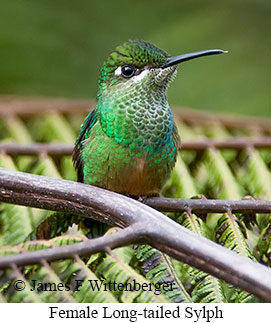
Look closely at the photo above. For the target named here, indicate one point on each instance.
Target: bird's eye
(128, 71)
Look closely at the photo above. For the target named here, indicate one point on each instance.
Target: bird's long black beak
(186, 57)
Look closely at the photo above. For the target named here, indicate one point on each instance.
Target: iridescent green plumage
(129, 143)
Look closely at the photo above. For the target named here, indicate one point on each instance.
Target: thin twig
(60, 149)
(153, 228)
(120, 238)
(229, 143)
(201, 206)
(37, 106)
(36, 149)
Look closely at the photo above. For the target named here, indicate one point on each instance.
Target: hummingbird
(129, 142)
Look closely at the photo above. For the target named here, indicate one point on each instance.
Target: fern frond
(60, 277)
(159, 269)
(259, 176)
(54, 225)
(51, 289)
(89, 292)
(205, 288)
(112, 269)
(240, 296)
(18, 131)
(220, 176)
(55, 127)
(254, 174)
(263, 248)
(229, 235)
(181, 183)
(15, 220)
(45, 167)
(20, 296)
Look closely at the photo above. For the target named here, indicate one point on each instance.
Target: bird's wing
(89, 122)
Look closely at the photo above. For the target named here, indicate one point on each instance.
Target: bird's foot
(141, 199)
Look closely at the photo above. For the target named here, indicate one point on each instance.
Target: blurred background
(56, 48)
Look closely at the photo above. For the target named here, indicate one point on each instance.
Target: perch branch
(155, 228)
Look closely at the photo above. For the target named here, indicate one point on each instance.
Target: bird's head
(137, 64)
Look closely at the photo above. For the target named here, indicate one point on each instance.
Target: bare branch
(121, 238)
(36, 149)
(229, 143)
(31, 106)
(152, 226)
(200, 206)
(60, 149)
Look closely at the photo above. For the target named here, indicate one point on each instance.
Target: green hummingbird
(129, 142)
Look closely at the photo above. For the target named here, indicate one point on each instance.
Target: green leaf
(205, 288)
(158, 269)
(112, 269)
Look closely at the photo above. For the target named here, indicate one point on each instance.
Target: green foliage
(222, 174)
(112, 269)
(204, 287)
(263, 248)
(158, 269)
(15, 220)
(229, 234)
